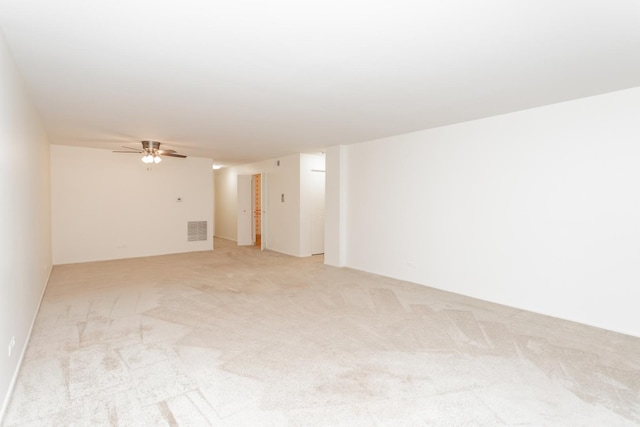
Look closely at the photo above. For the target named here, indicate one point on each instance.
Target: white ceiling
(244, 80)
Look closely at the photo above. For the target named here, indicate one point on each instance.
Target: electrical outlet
(12, 344)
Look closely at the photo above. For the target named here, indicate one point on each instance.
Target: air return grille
(196, 230)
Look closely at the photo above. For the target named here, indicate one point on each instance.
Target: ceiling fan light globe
(151, 152)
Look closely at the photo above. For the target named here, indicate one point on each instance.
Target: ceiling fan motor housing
(150, 146)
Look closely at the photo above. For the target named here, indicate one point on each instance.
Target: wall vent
(196, 231)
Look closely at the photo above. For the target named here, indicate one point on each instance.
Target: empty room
(320, 214)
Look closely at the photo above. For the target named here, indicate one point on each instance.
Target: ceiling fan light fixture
(151, 152)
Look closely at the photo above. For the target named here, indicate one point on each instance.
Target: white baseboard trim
(608, 328)
(12, 384)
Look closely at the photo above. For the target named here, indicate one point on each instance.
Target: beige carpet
(239, 337)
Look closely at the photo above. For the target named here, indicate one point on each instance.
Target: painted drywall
(25, 228)
(308, 164)
(213, 197)
(109, 206)
(283, 218)
(288, 227)
(225, 203)
(536, 209)
(335, 234)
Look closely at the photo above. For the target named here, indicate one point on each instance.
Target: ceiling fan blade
(131, 150)
(151, 148)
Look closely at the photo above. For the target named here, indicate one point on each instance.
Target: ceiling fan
(151, 151)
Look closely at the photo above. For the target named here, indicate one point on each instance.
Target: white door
(245, 216)
(317, 212)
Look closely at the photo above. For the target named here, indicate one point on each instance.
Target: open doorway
(256, 190)
(252, 210)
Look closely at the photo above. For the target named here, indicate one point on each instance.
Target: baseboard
(517, 307)
(285, 253)
(12, 384)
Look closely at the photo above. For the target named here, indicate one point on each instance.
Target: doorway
(256, 189)
(252, 210)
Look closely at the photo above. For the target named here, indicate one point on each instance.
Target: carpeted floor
(239, 337)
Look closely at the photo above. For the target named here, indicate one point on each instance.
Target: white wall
(308, 163)
(538, 209)
(283, 218)
(287, 230)
(213, 198)
(109, 206)
(225, 203)
(25, 229)
(335, 235)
